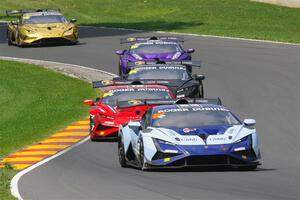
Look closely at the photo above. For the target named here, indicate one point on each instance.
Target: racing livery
(105, 113)
(150, 49)
(40, 27)
(186, 134)
(174, 75)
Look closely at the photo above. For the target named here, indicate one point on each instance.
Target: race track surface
(256, 80)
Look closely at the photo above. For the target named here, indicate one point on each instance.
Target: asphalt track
(256, 80)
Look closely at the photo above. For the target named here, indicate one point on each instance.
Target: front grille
(51, 40)
(207, 160)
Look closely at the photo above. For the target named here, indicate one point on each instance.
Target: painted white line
(192, 34)
(14, 182)
(58, 63)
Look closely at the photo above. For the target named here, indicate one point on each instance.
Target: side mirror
(249, 122)
(14, 22)
(89, 102)
(120, 52)
(73, 20)
(190, 50)
(199, 77)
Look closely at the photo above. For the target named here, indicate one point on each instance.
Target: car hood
(205, 135)
(46, 29)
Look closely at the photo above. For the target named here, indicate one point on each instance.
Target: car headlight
(165, 149)
(176, 55)
(136, 56)
(69, 31)
(159, 141)
(244, 139)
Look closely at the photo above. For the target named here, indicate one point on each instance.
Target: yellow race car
(41, 26)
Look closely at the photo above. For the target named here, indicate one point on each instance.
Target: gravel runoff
(288, 3)
(76, 71)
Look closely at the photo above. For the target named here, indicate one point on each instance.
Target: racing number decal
(134, 102)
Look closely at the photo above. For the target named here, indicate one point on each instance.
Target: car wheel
(120, 70)
(141, 155)
(8, 39)
(92, 123)
(121, 152)
(200, 90)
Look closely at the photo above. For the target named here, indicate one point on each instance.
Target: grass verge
(236, 18)
(34, 103)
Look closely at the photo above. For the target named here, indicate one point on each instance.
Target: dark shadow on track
(145, 26)
(210, 169)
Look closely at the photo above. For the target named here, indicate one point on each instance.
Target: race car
(105, 114)
(41, 26)
(174, 75)
(189, 133)
(150, 49)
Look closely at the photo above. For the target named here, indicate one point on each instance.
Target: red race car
(106, 115)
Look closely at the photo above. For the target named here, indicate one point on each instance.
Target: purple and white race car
(152, 49)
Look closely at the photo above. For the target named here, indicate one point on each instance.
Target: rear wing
(145, 102)
(147, 63)
(107, 83)
(19, 12)
(145, 39)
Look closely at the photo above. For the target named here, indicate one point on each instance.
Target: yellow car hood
(48, 30)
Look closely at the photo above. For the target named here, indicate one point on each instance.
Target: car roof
(188, 106)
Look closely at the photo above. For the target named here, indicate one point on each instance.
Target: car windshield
(155, 48)
(111, 97)
(189, 118)
(159, 73)
(44, 19)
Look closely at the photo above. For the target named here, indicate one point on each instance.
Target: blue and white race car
(189, 133)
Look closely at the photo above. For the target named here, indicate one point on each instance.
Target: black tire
(92, 122)
(8, 39)
(247, 168)
(121, 153)
(120, 71)
(141, 155)
(200, 90)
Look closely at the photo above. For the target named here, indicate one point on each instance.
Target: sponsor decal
(158, 115)
(193, 109)
(131, 39)
(173, 68)
(217, 139)
(106, 82)
(108, 94)
(134, 102)
(187, 130)
(134, 46)
(188, 139)
(139, 63)
(133, 71)
(167, 159)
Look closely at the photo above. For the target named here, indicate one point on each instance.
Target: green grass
(6, 174)
(34, 103)
(237, 18)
